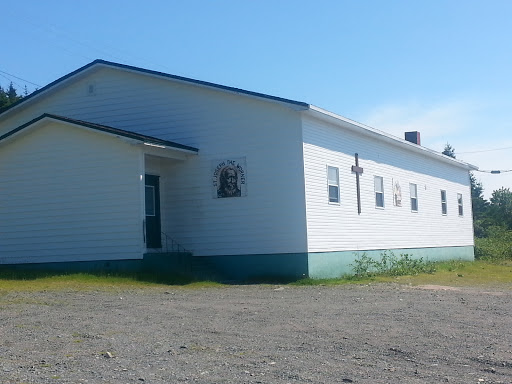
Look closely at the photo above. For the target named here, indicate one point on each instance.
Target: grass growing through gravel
(44, 281)
(464, 273)
(450, 273)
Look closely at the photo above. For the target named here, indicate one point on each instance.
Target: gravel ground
(379, 333)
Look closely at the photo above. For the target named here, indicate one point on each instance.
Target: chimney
(413, 137)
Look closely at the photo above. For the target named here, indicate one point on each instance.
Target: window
(459, 203)
(414, 197)
(379, 191)
(333, 184)
(444, 209)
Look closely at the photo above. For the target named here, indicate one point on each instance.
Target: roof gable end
(99, 63)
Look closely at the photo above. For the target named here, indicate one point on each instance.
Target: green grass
(453, 273)
(44, 281)
(457, 273)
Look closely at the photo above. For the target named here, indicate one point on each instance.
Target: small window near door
(150, 200)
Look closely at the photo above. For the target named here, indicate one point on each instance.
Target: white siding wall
(64, 194)
(270, 219)
(339, 227)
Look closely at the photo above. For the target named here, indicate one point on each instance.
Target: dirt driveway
(258, 334)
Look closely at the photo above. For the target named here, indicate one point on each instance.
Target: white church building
(112, 163)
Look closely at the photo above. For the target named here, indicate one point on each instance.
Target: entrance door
(153, 226)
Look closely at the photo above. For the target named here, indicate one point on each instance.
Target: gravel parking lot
(381, 333)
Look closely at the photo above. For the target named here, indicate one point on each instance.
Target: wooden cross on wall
(358, 170)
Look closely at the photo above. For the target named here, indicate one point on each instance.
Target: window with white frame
(459, 203)
(379, 191)
(333, 184)
(444, 208)
(414, 197)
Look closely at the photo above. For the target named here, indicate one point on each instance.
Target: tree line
(488, 215)
(10, 95)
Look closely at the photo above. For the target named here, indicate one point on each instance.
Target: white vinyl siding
(333, 184)
(286, 154)
(69, 195)
(379, 191)
(221, 125)
(341, 228)
(413, 189)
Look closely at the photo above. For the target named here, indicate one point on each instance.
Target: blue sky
(440, 67)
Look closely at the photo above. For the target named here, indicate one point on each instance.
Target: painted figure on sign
(228, 183)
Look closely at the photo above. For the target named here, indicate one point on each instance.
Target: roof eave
(381, 135)
(127, 135)
(299, 105)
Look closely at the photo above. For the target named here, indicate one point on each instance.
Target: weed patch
(390, 265)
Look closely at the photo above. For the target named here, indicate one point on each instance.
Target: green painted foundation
(248, 268)
(325, 265)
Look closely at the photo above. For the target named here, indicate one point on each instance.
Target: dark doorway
(153, 226)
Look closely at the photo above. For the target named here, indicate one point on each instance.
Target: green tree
(488, 216)
(4, 100)
(500, 208)
(480, 207)
(9, 96)
(477, 196)
(449, 151)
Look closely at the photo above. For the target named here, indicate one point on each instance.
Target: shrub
(364, 265)
(496, 247)
(389, 264)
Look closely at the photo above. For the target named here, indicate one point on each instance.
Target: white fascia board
(359, 128)
(165, 151)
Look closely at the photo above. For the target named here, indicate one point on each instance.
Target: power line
(19, 78)
(494, 172)
(18, 85)
(485, 150)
